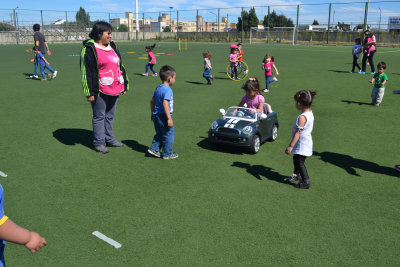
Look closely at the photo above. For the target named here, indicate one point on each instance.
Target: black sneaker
(293, 178)
(303, 185)
(209, 83)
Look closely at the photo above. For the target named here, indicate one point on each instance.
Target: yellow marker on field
(130, 52)
(143, 58)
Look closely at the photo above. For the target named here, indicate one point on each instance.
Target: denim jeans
(268, 80)
(35, 73)
(43, 72)
(206, 74)
(104, 107)
(151, 68)
(164, 137)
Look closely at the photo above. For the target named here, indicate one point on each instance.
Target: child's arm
(263, 66)
(45, 61)
(11, 232)
(152, 106)
(48, 50)
(208, 65)
(260, 107)
(300, 125)
(372, 81)
(383, 83)
(276, 70)
(166, 110)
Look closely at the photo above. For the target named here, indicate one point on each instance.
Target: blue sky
(349, 13)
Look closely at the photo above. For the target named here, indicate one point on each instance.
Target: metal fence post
(197, 26)
(66, 21)
(297, 21)
(88, 20)
(268, 24)
(109, 18)
(329, 23)
(15, 27)
(365, 19)
(177, 23)
(143, 26)
(159, 23)
(241, 40)
(41, 16)
(218, 24)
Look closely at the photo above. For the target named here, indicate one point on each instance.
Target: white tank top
(304, 145)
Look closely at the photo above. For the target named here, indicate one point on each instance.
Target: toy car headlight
(247, 130)
(214, 125)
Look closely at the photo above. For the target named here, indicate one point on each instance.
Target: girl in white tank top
(301, 145)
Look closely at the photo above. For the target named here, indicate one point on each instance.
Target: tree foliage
(276, 20)
(5, 27)
(82, 18)
(249, 20)
(123, 28)
(315, 22)
(167, 29)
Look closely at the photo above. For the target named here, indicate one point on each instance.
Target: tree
(315, 22)
(249, 20)
(82, 18)
(123, 28)
(277, 21)
(5, 27)
(167, 29)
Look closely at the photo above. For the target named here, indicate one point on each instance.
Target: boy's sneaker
(361, 72)
(145, 74)
(50, 76)
(154, 153)
(172, 156)
(373, 72)
(293, 178)
(265, 90)
(33, 76)
(101, 149)
(212, 77)
(397, 167)
(116, 144)
(377, 105)
(54, 74)
(275, 79)
(154, 74)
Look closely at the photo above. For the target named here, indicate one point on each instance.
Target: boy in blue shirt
(43, 64)
(11, 232)
(161, 105)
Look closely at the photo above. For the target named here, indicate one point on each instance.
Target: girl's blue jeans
(268, 80)
(206, 75)
(165, 136)
(151, 68)
(43, 72)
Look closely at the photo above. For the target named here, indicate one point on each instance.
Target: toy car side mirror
(222, 111)
(263, 116)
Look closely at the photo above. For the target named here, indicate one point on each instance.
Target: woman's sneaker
(172, 156)
(101, 149)
(303, 185)
(116, 144)
(293, 178)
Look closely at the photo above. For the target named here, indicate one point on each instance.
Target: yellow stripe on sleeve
(3, 220)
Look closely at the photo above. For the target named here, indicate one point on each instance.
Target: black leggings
(300, 168)
(355, 64)
(234, 70)
(371, 61)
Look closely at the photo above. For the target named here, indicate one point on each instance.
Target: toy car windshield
(241, 113)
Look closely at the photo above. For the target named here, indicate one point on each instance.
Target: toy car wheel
(274, 132)
(255, 144)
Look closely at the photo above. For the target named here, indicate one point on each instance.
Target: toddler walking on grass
(43, 64)
(207, 67)
(379, 81)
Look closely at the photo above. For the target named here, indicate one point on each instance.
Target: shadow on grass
(198, 83)
(355, 102)
(137, 147)
(259, 170)
(339, 71)
(220, 78)
(349, 164)
(224, 148)
(36, 79)
(71, 137)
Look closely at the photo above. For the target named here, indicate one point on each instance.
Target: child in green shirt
(379, 81)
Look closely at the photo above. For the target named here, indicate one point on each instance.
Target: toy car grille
(228, 130)
(228, 139)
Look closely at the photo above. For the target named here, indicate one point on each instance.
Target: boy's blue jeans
(206, 75)
(268, 80)
(36, 67)
(43, 72)
(151, 68)
(164, 137)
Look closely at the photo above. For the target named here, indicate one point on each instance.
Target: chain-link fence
(313, 23)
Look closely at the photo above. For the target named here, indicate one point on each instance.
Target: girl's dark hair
(150, 47)
(305, 97)
(268, 55)
(98, 30)
(252, 85)
(358, 39)
(233, 50)
(207, 54)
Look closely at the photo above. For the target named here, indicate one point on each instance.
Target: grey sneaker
(101, 149)
(116, 144)
(154, 153)
(172, 156)
(50, 76)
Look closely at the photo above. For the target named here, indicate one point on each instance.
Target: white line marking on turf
(107, 239)
(3, 174)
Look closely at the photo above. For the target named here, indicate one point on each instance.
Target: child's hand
(35, 243)
(277, 73)
(288, 150)
(371, 81)
(170, 123)
(152, 116)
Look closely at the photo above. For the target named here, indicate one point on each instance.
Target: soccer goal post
(274, 35)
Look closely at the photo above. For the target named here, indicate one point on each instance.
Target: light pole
(170, 19)
(282, 19)
(380, 16)
(362, 22)
(333, 23)
(216, 18)
(15, 21)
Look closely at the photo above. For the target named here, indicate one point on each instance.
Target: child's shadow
(197, 83)
(258, 170)
(349, 164)
(355, 102)
(339, 71)
(71, 137)
(135, 146)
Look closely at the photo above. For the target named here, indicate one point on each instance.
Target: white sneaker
(33, 76)
(54, 74)
(266, 90)
(275, 79)
(245, 72)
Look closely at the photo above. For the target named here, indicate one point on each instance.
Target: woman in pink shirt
(152, 61)
(267, 65)
(369, 44)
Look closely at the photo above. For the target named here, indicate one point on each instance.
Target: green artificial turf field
(208, 207)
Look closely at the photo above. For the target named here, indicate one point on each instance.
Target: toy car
(245, 127)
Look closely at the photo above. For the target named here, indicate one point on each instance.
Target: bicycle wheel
(242, 72)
